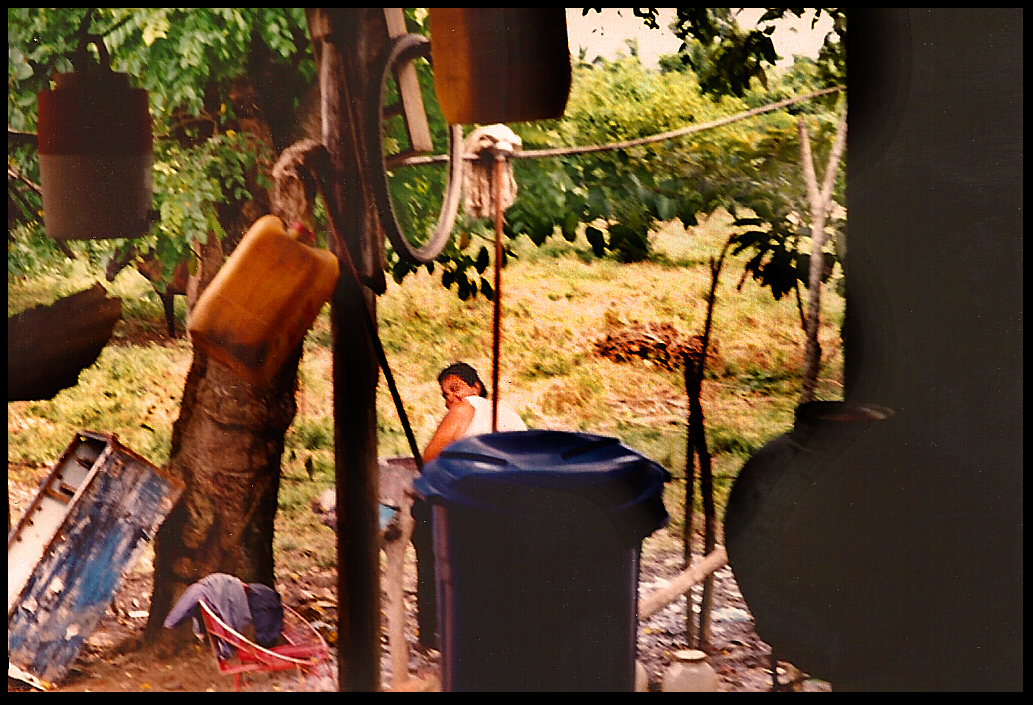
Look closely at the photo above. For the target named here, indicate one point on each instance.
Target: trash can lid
(480, 471)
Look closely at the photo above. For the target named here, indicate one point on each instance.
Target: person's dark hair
(464, 372)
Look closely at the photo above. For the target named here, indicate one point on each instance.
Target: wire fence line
(564, 151)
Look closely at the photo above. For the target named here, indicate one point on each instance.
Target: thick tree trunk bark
(226, 447)
(228, 439)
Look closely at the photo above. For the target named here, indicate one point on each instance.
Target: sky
(603, 33)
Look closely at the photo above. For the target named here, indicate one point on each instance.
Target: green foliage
(188, 59)
(618, 198)
(129, 389)
(727, 58)
(555, 307)
(750, 168)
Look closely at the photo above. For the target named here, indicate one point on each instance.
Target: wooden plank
(346, 42)
(409, 89)
(396, 476)
(105, 530)
(681, 583)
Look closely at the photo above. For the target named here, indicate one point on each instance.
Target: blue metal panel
(107, 526)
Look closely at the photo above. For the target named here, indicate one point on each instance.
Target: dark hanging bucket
(508, 64)
(95, 156)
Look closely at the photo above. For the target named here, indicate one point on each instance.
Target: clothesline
(563, 151)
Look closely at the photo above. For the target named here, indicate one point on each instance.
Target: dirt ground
(115, 660)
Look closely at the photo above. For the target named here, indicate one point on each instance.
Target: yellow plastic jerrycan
(263, 300)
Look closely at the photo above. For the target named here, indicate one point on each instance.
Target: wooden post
(698, 443)
(498, 173)
(346, 43)
(410, 101)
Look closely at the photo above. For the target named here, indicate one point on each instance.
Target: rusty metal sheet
(85, 529)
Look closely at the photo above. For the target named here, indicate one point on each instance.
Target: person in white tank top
(469, 410)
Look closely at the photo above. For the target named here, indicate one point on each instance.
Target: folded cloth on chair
(266, 613)
(236, 604)
(223, 593)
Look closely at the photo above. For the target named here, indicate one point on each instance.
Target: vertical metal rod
(690, 499)
(500, 163)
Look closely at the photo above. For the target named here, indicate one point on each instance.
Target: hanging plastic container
(95, 156)
(500, 64)
(263, 300)
(690, 673)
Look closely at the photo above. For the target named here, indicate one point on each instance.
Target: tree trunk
(819, 202)
(226, 448)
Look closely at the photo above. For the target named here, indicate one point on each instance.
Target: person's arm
(451, 428)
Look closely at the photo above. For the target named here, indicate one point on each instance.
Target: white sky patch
(604, 34)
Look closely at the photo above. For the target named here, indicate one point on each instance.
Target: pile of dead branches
(660, 343)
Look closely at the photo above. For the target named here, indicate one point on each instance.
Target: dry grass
(556, 300)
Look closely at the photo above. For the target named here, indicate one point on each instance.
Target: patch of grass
(312, 433)
(46, 287)
(663, 444)
(576, 398)
(296, 497)
(554, 303)
(551, 367)
(319, 335)
(728, 440)
(132, 391)
(300, 541)
(662, 259)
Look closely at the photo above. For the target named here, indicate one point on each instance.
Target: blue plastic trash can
(537, 537)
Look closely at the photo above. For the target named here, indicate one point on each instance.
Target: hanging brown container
(95, 157)
(508, 64)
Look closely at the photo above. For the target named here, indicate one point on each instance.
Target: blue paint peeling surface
(115, 510)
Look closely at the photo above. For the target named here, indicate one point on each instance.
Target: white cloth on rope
(477, 174)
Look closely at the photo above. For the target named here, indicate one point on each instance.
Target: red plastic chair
(304, 650)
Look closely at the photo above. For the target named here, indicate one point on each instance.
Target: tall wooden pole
(346, 43)
(498, 173)
(698, 444)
